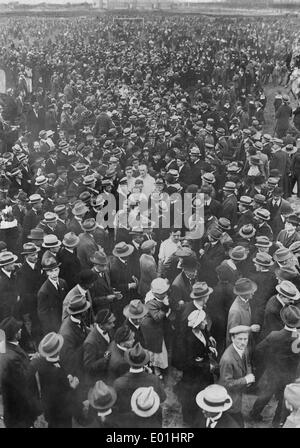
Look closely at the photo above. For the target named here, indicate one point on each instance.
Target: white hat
(195, 318)
(145, 401)
(159, 286)
(214, 398)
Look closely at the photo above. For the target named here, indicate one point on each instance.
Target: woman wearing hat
(156, 325)
(196, 351)
(57, 388)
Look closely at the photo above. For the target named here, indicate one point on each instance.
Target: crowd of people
(146, 222)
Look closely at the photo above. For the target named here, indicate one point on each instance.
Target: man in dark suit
(69, 262)
(181, 287)
(213, 402)
(135, 313)
(280, 161)
(117, 365)
(137, 377)
(87, 245)
(184, 170)
(95, 348)
(196, 167)
(19, 405)
(8, 286)
(229, 204)
(33, 216)
(29, 280)
(281, 356)
(235, 370)
(212, 256)
(51, 296)
(122, 277)
(35, 121)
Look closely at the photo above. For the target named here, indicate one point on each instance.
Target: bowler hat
(78, 304)
(244, 286)
(10, 326)
(200, 290)
(290, 316)
(214, 398)
(102, 397)
(51, 345)
(137, 356)
(135, 309)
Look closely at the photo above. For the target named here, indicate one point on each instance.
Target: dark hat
(36, 234)
(290, 316)
(78, 304)
(137, 356)
(49, 263)
(103, 316)
(244, 286)
(293, 219)
(215, 233)
(51, 345)
(122, 334)
(102, 397)
(11, 326)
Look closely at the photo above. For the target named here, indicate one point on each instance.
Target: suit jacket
(100, 289)
(225, 421)
(117, 365)
(286, 239)
(229, 211)
(19, 407)
(86, 248)
(50, 301)
(74, 225)
(148, 270)
(128, 383)
(138, 334)
(239, 314)
(272, 320)
(8, 296)
(233, 370)
(71, 354)
(29, 282)
(245, 218)
(185, 174)
(212, 257)
(95, 365)
(121, 275)
(266, 283)
(31, 220)
(196, 172)
(70, 266)
(181, 289)
(155, 325)
(264, 230)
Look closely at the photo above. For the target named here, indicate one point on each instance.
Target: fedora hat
(36, 234)
(135, 309)
(89, 225)
(35, 198)
(214, 398)
(41, 180)
(98, 201)
(10, 326)
(137, 356)
(70, 240)
(159, 286)
(247, 231)
(30, 248)
(51, 241)
(295, 247)
(145, 401)
(60, 209)
(238, 253)
(288, 290)
(244, 286)
(263, 259)
(215, 233)
(99, 257)
(286, 273)
(263, 241)
(262, 213)
(80, 209)
(7, 258)
(78, 304)
(103, 316)
(200, 290)
(51, 345)
(290, 316)
(49, 263)
(282, 254)
(122, 249)
(101, 396)
(224, 224)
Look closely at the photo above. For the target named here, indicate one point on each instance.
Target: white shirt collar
(199, 307)
(105, 336)
(74, 319)
(81, 290)
(121, 348)
(32, 265)
(6, 273)
(136, 326)
(55, 284)
(133, 370)
(122, 260)
(292, 330)
(69, 250)
(104, 414)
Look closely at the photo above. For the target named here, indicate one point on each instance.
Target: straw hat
(145, 401)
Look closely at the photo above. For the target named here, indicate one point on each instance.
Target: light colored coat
(148, 271)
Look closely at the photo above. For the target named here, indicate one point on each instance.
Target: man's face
(240, 340)
(53, 274)
(32, 258)
(175, 236)
(289, 227)
(130, 341)
(137, 321)
(142, 171)
(109, 324)
(55, 250)
(129, 172)
(10, 267)
(179, 162)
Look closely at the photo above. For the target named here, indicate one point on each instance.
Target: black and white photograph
(149, 216)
